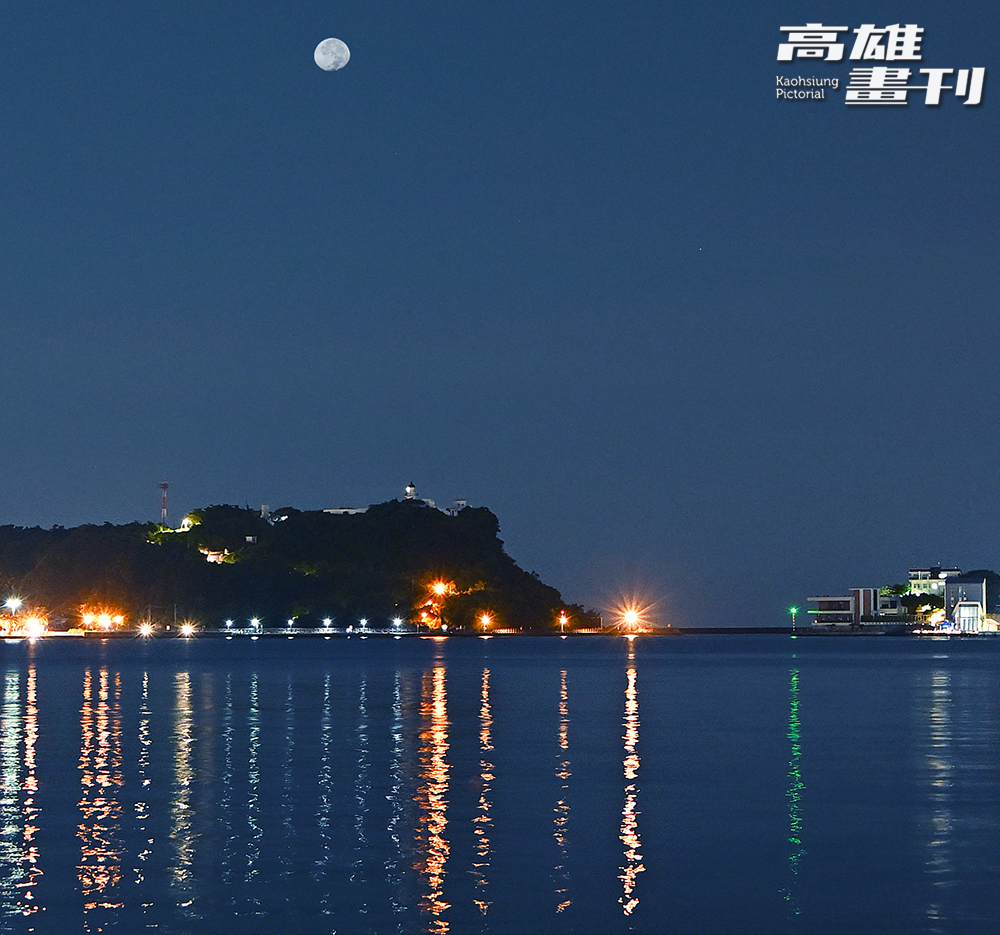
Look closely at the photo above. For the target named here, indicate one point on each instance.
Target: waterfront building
(968, 617)
(931, 580)
(832, 611)
(965, 602)
(859, 608)
(889, 605)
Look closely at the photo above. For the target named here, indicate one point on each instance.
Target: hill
(397, 559)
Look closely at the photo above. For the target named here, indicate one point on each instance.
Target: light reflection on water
(362, 790)
(11, 727)
(940, 771)
(629, 833)
(483, 821)
(324, 810)
(402, 790)
(226, 803)
(252, 845)
(144, 780)
(395, 872)
(181, 816)
(794, 794)
(99, 827)
(20, 867)
(31, 870)
(561, 819)
(433, 847)
(288, 787)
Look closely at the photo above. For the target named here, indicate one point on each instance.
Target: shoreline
(330, 633)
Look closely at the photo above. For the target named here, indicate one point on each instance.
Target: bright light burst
(633, 615)
(34, 626)
(101, 618)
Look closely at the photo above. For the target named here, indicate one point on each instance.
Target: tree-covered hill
(303, 565)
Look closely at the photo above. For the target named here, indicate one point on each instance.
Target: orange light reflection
(629, 834)
(561, 820)
(29, 789)
(432, 798)
(99, 869)
(483, 821)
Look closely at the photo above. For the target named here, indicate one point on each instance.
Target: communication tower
(163, 507)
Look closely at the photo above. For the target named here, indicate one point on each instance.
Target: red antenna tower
(163, 509)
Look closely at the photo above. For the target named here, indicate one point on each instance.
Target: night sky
(570, 261)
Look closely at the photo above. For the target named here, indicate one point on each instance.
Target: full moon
(332, 54)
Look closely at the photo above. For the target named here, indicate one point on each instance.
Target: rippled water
(708, 784)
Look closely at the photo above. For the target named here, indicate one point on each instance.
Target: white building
(968, 616)
(965, 603)
(930, 580)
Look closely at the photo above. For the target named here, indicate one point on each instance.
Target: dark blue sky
(571, 261)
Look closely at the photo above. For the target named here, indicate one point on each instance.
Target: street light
(485, 621)
(562, 621)
(13, 604)
(441, 591)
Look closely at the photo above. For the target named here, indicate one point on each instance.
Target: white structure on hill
(411, 494)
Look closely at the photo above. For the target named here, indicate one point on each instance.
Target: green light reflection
(794, 793)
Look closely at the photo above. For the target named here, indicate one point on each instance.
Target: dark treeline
(305, 565)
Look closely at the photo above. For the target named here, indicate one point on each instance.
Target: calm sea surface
(696, 784)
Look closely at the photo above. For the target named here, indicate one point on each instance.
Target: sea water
(687, 784)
